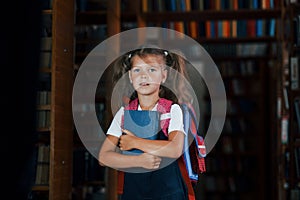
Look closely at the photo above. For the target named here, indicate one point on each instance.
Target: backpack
(192, 162)
(195, 154)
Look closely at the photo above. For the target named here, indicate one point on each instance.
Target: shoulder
(120, 112)
(164, 105)
(175, 106)
(176, 109)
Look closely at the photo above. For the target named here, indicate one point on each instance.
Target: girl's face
(147, 73)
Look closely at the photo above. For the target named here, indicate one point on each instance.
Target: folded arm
(109, 157)
(171, 148)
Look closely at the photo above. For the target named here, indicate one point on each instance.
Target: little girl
(147, 70)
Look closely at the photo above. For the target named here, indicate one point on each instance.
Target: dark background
(20, 31)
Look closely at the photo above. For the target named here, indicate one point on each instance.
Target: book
(287, 160)
(297, 111)
(297, 161)
(284, 129)
(286, 98)
(294, 69)
(143, 124)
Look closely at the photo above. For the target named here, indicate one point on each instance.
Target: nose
(144, 74)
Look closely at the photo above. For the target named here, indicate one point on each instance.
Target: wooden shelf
(56, 88)
(230, 40)
(43, 107)
(211, 15)
(44, 188)
(47, 12)
(109, 20)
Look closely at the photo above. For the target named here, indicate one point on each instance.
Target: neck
(148, 103)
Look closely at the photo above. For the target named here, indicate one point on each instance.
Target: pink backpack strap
(164, 107)
(133, 105)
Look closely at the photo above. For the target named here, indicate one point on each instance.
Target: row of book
(86, 167)
(92, 32)
(87, 38)
(236, 107)
(89, 192)
(188, 5)
(46, 25)
(41, 159)
(90, 5)
(44, 82)
(296, 23)
(297, 114)
(224, 28)
(236, 146)
(43, 97)
(237, 125)
(232, 50)
(287, 162)
(45, 59)
(43, 119)
(241, 68)
(47, 4)
(231, 164)
(231, 183)
(242, 106)
(237, 87)
(46, 43)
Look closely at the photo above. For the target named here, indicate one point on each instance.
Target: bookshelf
(241, 37)
(241, 166)
(54, 125)
(287, 142)
(95, 21)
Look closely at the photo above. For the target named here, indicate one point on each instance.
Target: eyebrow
(140, 65)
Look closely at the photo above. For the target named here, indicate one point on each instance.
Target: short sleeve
(176, 122)
(115, 126)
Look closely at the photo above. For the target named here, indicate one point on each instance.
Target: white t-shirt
(176, 121)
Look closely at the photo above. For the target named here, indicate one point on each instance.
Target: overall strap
(163, 107)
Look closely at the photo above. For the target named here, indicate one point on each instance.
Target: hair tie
(166, 53)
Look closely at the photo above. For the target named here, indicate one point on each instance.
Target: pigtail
(179, 85)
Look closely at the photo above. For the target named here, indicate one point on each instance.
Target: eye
(152, 69)
(135, 70)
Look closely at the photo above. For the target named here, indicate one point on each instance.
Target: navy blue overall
(166, 183)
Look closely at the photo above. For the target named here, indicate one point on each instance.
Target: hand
(149, 161)
(127, 140)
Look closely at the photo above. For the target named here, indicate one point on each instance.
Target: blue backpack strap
(195, 152)
(186, 155)
(194, 130)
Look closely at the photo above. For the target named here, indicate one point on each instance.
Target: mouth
(144, 84)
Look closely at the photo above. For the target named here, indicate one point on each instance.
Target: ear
(129, 76)
(164, 75)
